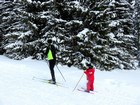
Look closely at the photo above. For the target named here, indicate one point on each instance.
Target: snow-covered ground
(19, 85)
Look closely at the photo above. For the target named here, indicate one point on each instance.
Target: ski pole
(58, 70)
(61, 73)
(78, 81)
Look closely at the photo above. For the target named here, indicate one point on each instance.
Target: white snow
(111, 35)
(18, 87)
(114, 23)
(82, 34)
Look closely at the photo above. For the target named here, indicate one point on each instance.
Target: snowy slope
(18, 87)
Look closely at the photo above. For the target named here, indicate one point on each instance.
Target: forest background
(102, 32)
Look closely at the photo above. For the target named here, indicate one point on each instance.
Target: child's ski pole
(78, 81)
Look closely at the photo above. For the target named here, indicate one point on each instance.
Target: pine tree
(13, 28)
(136, 23)
(98, 32)
(107, 34)
(104, 34)
(122, 29)
(1, 43)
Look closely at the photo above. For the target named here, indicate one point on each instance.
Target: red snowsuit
(90, 77)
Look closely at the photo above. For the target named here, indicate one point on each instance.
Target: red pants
(90, 85)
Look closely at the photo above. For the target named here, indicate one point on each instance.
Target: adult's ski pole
(61, 73)
(58, 70)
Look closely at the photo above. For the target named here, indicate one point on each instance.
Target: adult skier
(51, 56)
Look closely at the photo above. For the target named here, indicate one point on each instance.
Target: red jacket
(90, 73)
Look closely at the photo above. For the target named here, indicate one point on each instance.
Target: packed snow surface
(21, 84)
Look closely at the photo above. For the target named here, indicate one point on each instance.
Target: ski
(83, 90)
(91, 91)
(47, 81)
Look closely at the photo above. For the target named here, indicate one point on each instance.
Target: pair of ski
(84, 90)
(47, 81)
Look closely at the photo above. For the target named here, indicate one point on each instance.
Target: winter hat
(89, 65)
(49, 41)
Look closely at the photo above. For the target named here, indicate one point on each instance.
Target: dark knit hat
(89, 65)
(49, 41)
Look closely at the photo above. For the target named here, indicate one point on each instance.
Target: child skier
(90, 77)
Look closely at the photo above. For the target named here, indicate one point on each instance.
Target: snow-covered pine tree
(1, 43)
(83, 31)
(105, 37)
(137, 22)
(1, 33)
(70, 13)
(1, 30)
(121, 25)
(13, 28)
(43, 24)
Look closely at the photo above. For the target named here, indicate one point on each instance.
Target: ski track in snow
(17, 86)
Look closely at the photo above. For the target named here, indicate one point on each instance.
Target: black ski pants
(51, 65)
